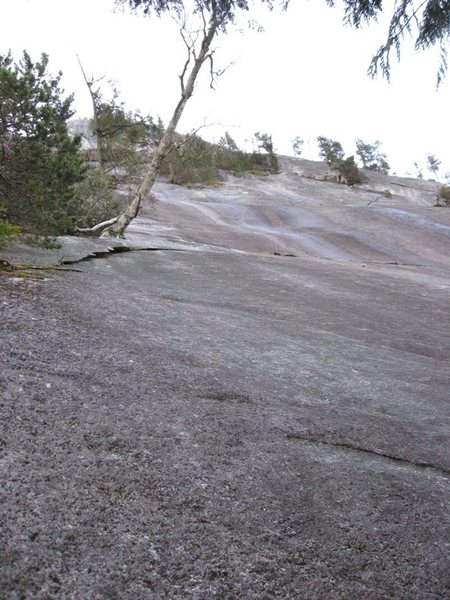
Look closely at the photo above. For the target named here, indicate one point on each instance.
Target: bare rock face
(329, 176)
(247, 398)
(302, 212)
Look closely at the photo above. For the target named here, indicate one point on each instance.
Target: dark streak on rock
(377, 453)
(115, 250)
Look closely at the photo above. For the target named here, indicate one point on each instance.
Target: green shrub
(265, 143)
(95, 198)
(330, 151)
(191, 160)
(7, 232)
(349, 171)
(42, 241)
(371, 157)
(444, 194)
(235, 161)
(194, 161)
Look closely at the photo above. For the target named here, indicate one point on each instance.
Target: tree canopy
(371, 157)
(222, 11)
(427, 21)
(330, 151)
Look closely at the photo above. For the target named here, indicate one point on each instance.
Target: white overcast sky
(304, 75)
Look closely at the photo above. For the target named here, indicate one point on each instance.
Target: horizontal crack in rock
(377, 453)
(115, 250)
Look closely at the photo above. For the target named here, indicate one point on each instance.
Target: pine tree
(39, 162)
(371, 157)
(433, 165)
(297, 145)
(330, 151)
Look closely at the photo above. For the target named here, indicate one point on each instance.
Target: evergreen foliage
(96, 198)
(371, 157)
(330, 151)
(7, 231)
(121, 141)
(265, 143)
(227, 143)
(223, 11)
(349, 171)
(444, 194)
(297, 146)
(433, 164)
(428, 21)
(192, 160)
(40, 163)
(120, 133)
(230, 158)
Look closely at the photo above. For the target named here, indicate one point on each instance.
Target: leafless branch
(185, 68)
(195, 131)
(214, 75)
(191, 41)
(191, 135)
(90, 82)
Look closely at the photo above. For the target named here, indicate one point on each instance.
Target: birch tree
(215, 17)
(94, 93)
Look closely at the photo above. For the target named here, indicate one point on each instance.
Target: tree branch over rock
(428, 21)
(215, 16)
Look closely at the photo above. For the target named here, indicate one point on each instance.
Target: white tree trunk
(164, 146)
(94, 99)
(98, 227)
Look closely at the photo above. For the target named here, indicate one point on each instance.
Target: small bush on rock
(444, 195)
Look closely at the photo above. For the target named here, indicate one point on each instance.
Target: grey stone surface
(73, 249)
(213, 421)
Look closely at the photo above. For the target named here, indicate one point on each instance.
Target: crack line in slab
(116, 250)
(347, 446)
